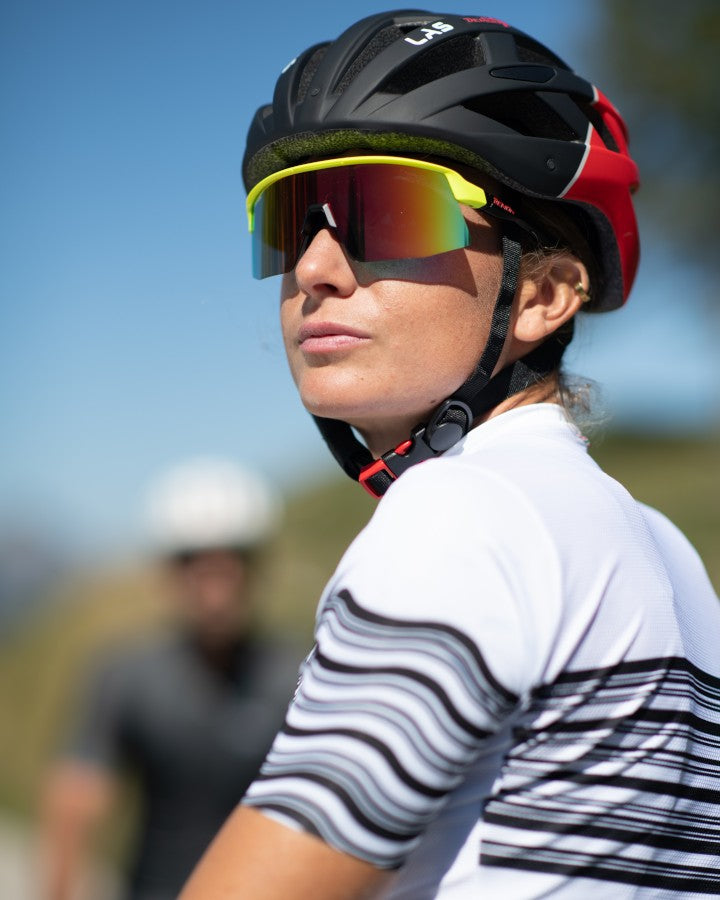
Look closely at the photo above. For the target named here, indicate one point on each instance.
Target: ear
(548, 296)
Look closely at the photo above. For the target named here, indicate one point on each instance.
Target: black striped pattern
(387, 717)
(619, 770)
(612, 774)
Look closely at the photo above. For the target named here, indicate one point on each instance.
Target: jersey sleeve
(98, 720)
(421, 657)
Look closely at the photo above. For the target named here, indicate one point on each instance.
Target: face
(211, 589)
(380, 345)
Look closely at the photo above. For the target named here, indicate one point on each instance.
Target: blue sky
(131, 332)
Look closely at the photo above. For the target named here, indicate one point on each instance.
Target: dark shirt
(193, 733)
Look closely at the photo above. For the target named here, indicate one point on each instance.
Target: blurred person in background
(515, 686)
(189, 713)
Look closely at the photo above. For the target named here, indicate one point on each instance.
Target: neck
(381, 438)
(545, 391)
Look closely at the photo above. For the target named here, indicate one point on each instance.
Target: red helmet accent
(606, 180)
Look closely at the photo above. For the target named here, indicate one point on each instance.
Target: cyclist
(515, 686)
(189, 712)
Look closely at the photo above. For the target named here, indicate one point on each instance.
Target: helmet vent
(530, 52)
(307, 73)
(528, 115)
(599, 125)
(384, 38)
(454, 54)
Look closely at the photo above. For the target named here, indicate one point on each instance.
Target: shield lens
(378, 211)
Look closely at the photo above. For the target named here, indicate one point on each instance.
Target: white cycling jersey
(515, 688)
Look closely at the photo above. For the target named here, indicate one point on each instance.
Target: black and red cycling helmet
(470, 89)
(473, 90)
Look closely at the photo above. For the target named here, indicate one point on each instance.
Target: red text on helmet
(435, 29)
(501, 205)
(487, 19)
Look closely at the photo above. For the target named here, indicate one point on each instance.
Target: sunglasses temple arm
(499, 210)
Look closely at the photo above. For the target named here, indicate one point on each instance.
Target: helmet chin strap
(452, 420)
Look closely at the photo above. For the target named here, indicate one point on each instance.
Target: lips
(323, 337)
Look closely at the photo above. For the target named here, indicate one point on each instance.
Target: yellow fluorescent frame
(462, 190)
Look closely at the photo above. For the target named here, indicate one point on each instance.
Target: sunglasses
(378, 207)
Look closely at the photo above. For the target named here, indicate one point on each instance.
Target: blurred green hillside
(42, 660)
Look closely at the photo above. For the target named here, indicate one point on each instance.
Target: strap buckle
(450, 422)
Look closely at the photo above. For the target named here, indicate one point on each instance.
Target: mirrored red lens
(378, 212)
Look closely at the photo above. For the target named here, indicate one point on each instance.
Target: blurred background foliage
(663, 60)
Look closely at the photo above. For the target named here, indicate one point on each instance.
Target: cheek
(430, 347)
(285, 323)
(290, 320)
(443, 326)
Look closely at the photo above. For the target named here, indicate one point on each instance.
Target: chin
(363, 404)
(335, 399)
(333, 409)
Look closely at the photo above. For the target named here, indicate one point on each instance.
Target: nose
(324, 268)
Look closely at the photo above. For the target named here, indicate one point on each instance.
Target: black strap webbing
(512, 253)
(349, 452)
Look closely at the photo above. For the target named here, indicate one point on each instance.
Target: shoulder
(510, 468)
(452, 490)
(666, 532)
(464, 553)
(114, 685)
(468, 509)
(125, 667)
(680, 557)
(497, 541)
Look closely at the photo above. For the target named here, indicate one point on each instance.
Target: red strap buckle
(369, 472)
(380, 466)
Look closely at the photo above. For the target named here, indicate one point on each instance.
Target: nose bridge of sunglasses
(317, 217)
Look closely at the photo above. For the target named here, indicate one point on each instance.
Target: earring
(581, 292)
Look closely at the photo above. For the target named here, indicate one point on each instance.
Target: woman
(515, 689)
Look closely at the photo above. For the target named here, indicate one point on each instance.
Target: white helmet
(210, 503)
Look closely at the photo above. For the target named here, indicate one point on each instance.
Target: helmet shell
(471, 89)
(210, 503)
